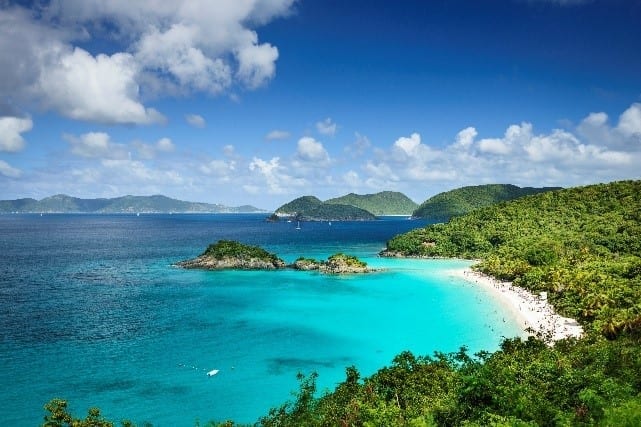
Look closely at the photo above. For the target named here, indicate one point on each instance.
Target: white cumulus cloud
(149, 151)
(219, 168)
(195, 120)
(593, 152)
(410, 145)
(465, 138)
(11, 130)
(256, 64)
(272, 172)
(165, 144)
(310, 150)
(9, 171)
(277, 134)
(154, 47)
(326, 127)
(102, 88)
(630, 122)
(272, 175)
(134, 171)
(96, 145)
(515, 135)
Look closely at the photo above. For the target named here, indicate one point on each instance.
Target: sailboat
(298, 226)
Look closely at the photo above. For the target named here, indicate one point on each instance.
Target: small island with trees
(232, 255)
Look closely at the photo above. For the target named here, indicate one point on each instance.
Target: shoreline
(533, 312)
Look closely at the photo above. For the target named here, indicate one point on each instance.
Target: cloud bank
(50, 55)
(598, 149)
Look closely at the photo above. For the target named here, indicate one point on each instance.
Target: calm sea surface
(92, 311)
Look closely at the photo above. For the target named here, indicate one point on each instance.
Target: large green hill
(300, 204)
(460, 201)
(383, 203)
(310, 208)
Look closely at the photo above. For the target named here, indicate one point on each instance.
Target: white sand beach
(532, 311)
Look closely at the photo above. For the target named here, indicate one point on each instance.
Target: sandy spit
(535, 314)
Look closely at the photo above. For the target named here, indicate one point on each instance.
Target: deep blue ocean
(93, 311)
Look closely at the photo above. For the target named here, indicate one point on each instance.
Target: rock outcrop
(230, 255)
(335, 264)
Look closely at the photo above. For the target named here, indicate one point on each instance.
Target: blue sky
(259, 102)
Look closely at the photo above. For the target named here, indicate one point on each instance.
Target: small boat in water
(212, 372)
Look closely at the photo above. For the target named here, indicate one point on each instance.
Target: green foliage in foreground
(581, 245)
(383, 203)
(232, 249)
(589, 382)
(59, 416)
(443, 206)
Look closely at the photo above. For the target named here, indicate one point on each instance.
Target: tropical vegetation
(232, 249)
(583, 247)
(443, 206)
(339, 263)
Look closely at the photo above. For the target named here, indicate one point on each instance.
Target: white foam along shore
(532, 311)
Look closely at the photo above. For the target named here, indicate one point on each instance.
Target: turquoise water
(93, 312)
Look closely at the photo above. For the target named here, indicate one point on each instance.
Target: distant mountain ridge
(443, 206)
(383, 203)
(62, 203)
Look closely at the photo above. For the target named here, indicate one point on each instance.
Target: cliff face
(207, 262)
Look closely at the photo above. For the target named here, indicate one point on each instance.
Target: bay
(94, 312)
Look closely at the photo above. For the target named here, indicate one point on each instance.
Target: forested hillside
(443, 206)
(581, 245)
(310, 208)
(383, 203)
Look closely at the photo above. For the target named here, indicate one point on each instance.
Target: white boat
(298, 226)
(213, 372)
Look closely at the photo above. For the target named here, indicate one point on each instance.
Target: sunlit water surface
(94, 312)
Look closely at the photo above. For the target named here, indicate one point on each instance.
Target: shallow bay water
(93, 312)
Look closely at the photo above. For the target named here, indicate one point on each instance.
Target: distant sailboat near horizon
(298, 226)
